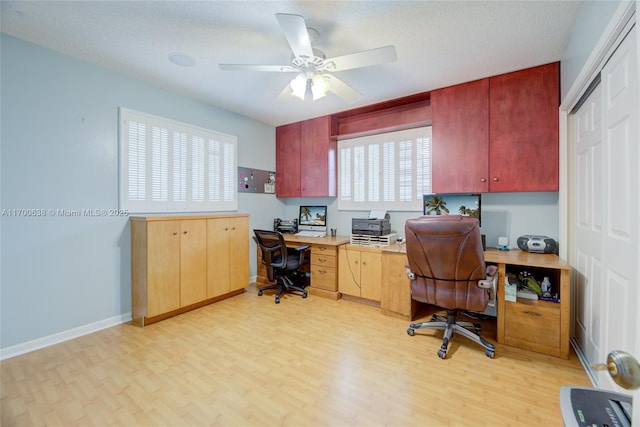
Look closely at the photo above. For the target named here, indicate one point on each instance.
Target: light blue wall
(59, 151)
(587, 30)
(503, 214)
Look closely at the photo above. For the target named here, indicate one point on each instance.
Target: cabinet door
(370, 275)
(193, 261)
(288, 160)
(349, 271)
(460, 132)
(217, 257)
(238, 253)
(163, 267)
(318, 159)
(524, 129)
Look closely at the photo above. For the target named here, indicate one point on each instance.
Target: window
(388, 171)
(167, 166)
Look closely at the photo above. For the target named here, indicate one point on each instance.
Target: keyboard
(305, 233)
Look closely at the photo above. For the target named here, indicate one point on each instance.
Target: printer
(371, 226)
(285, 226)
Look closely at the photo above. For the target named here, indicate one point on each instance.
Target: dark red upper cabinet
(523, 129)
(460, 133)
(498, 134)
(306, 159)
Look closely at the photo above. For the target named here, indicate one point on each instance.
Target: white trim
(29, 346)
(608, 41)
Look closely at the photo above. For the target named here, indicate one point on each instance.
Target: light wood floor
(311, 362)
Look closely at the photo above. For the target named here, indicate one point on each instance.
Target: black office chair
(282, 263)
(447, 269)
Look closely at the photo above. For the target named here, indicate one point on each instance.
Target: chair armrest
(301, 250)
(410, 274)
(490, 283)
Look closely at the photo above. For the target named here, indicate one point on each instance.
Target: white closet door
(589, 204)
(620, 233)
(605, 227)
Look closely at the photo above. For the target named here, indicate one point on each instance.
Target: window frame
(380, 161)
(200, 175)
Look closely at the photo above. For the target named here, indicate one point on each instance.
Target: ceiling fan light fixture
(319, 86)
(299, 86)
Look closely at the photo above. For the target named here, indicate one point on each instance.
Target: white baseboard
(18, 349)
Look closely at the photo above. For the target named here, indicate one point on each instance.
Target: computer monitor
(312, 218)
(465, 204)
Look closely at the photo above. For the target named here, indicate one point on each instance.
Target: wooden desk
(324, 263)
(536, 325)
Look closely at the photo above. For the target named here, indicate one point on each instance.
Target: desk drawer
(324, 277)
(323, 260)
(534, 326)
(320, 249)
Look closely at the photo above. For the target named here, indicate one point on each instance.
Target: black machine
(285, 226)
(371, 226)
(537, 244)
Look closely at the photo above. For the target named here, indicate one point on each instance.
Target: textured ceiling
(438, 43)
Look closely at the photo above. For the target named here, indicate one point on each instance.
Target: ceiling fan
(313, 68)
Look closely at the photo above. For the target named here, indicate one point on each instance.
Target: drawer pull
(322, 271)
(532, 313)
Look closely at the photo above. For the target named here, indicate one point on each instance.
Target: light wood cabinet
(175, 260)
(227, 255)
(536, 325)
(360, 272)
(306, 159)
(162, 250)
(324, 268)
(488, 133)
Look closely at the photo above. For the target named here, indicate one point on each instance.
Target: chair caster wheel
(411, 331)
(490, 354)
(277, 300)
(304, 295)
(442, 354)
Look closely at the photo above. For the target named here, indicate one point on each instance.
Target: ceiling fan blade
(257, 67)
(342, 89)
(295, 30)
(365, 58)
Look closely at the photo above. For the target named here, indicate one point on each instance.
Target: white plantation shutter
(166, 166)
(386, 171)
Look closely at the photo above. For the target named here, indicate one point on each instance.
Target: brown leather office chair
(447, 269)
(282, 263)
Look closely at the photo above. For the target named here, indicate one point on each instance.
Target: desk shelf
(536, 325)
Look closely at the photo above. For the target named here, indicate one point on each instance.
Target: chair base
(449, 325)
(284, 284)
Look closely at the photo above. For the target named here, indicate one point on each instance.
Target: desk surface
(516, 257)
(327, 240)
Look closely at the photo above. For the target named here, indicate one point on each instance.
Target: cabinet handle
(322, 271)
(495, 179)
(175, 233)
(233, 228)
(364, 263)
(226, 229)
(532, 313)
(185, 232)
(483, 179)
